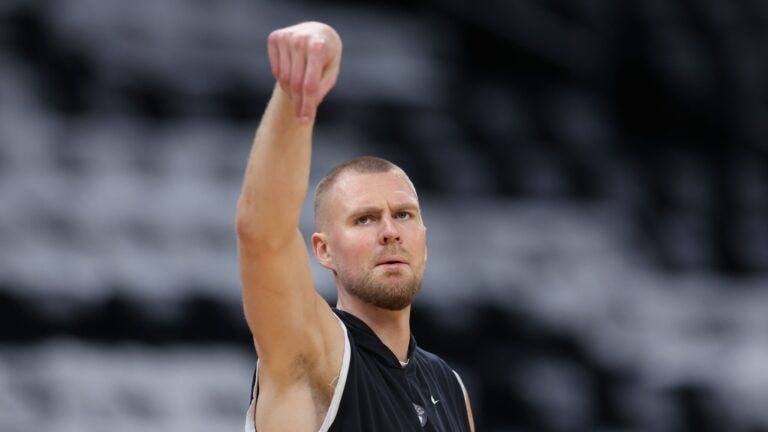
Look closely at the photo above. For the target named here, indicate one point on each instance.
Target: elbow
(256, 236)
(249, 231)
(243, 226)
(249, 224)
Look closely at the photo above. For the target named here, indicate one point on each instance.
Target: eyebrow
(365, 210)
(376, 209)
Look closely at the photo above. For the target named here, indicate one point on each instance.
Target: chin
(394, 304)
(393, 289)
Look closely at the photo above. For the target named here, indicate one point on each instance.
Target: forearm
(305, 61)
(277, 175)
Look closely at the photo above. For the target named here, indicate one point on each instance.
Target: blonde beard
(393, 296)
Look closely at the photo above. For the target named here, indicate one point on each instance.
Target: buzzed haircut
(360, 165)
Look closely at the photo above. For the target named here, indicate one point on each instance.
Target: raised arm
(293, 327)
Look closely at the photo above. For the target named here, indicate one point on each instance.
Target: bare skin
(373, 239)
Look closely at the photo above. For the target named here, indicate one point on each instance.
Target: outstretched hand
(305, 60)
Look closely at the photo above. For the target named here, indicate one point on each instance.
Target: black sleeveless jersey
(381, 395)
(378, 394)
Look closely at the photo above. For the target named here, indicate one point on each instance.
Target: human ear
(321, 250)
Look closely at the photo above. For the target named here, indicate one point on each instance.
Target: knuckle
(317, 46)
(298, 41)
(310, 87)
(277, 36)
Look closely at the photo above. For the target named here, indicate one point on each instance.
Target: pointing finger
(285, 62)
(312, 77)
(274, 57)
(298, 69)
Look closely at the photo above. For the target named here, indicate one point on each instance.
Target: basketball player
(357, 367)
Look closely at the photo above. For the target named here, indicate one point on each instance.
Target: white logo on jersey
(422, 415)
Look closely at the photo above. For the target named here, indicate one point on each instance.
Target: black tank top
(381, 395)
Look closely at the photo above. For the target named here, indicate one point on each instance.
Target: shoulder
(430, 358)
(435, 363)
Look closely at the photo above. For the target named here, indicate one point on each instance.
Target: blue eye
(363, 220)
(403, 215)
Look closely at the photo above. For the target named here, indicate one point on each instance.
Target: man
(355, 368)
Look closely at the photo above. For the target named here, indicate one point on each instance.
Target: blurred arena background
(594, 177)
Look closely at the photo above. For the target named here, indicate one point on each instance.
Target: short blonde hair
(360, 165)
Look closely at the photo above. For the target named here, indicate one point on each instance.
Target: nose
(389, 233)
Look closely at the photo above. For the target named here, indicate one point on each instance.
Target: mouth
(394, 261)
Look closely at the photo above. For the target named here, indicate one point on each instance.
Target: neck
(392, 327)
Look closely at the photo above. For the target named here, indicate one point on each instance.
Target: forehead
(354, 189)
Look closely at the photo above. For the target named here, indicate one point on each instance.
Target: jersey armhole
(338, 391)
(461, 383)
(464, 397)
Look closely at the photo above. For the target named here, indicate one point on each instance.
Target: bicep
(287, 317)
